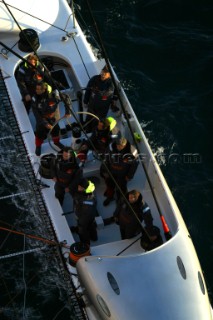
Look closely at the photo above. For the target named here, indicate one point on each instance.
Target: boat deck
(107, 234)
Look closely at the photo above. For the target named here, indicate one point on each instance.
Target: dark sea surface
(162, 52)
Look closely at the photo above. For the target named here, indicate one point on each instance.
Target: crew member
(27, 75)
(130, 212)
(85, 209)
(44, 105)
(100, 139)
(118, 168)
(99, 97)
(66, 173)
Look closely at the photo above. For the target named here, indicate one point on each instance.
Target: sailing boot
(38, 143)
(58, 143)
(38, 151)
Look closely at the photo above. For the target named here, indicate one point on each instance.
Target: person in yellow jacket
(85, 210)
(103, 134)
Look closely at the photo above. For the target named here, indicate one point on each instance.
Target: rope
(56, 316)
(167, 234)
(20, 253)
(25, 286)
(50, 242)
(19, 292)
(8, 294)
(128, 247)
(30, 15)
(6, 137)
(15, 195)
(70, 124)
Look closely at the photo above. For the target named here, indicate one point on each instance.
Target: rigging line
(25, 286)
(70, 124)
(131, 244)
(8, 292)
(14, 195)
(28, 41)
(74, 290)
(16, 54)
(35, 52)
(105, 56)
(8, 234)
(143, 230)
(12, 15)
(167, 234)
(86, 27)
(18, 293)
(30, 15)
(57, 314)
(18, 25)
(51, 242)
(6, 137)
(107, 61)
(11, 255)
(81, 57)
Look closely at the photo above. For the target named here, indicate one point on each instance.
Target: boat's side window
(113, 283)
(200, 279)
(181, 267)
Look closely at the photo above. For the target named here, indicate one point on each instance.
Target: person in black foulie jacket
(118, 167)
(99, 97)
(130, 212)
(44, 106)
(66, 173)
(27, 76)
(85, 210)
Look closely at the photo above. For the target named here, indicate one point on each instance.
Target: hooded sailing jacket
(99, 95)
(44, 107)
(85, 202)
(121, 163)
(25, 78)
(126, 217)
(67, 172)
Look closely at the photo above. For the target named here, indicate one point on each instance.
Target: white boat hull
(151, 285)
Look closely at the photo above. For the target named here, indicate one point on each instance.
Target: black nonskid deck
(7, 115)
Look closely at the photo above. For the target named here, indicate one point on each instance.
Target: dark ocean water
(163, 54)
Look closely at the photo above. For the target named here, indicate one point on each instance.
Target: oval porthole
(200, 279)
(181, 267)
(103, 305)
(113, 283)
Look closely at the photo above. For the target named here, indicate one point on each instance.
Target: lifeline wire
(25, 286)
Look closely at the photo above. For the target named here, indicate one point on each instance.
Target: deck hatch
(113, 283)
(181, 267)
